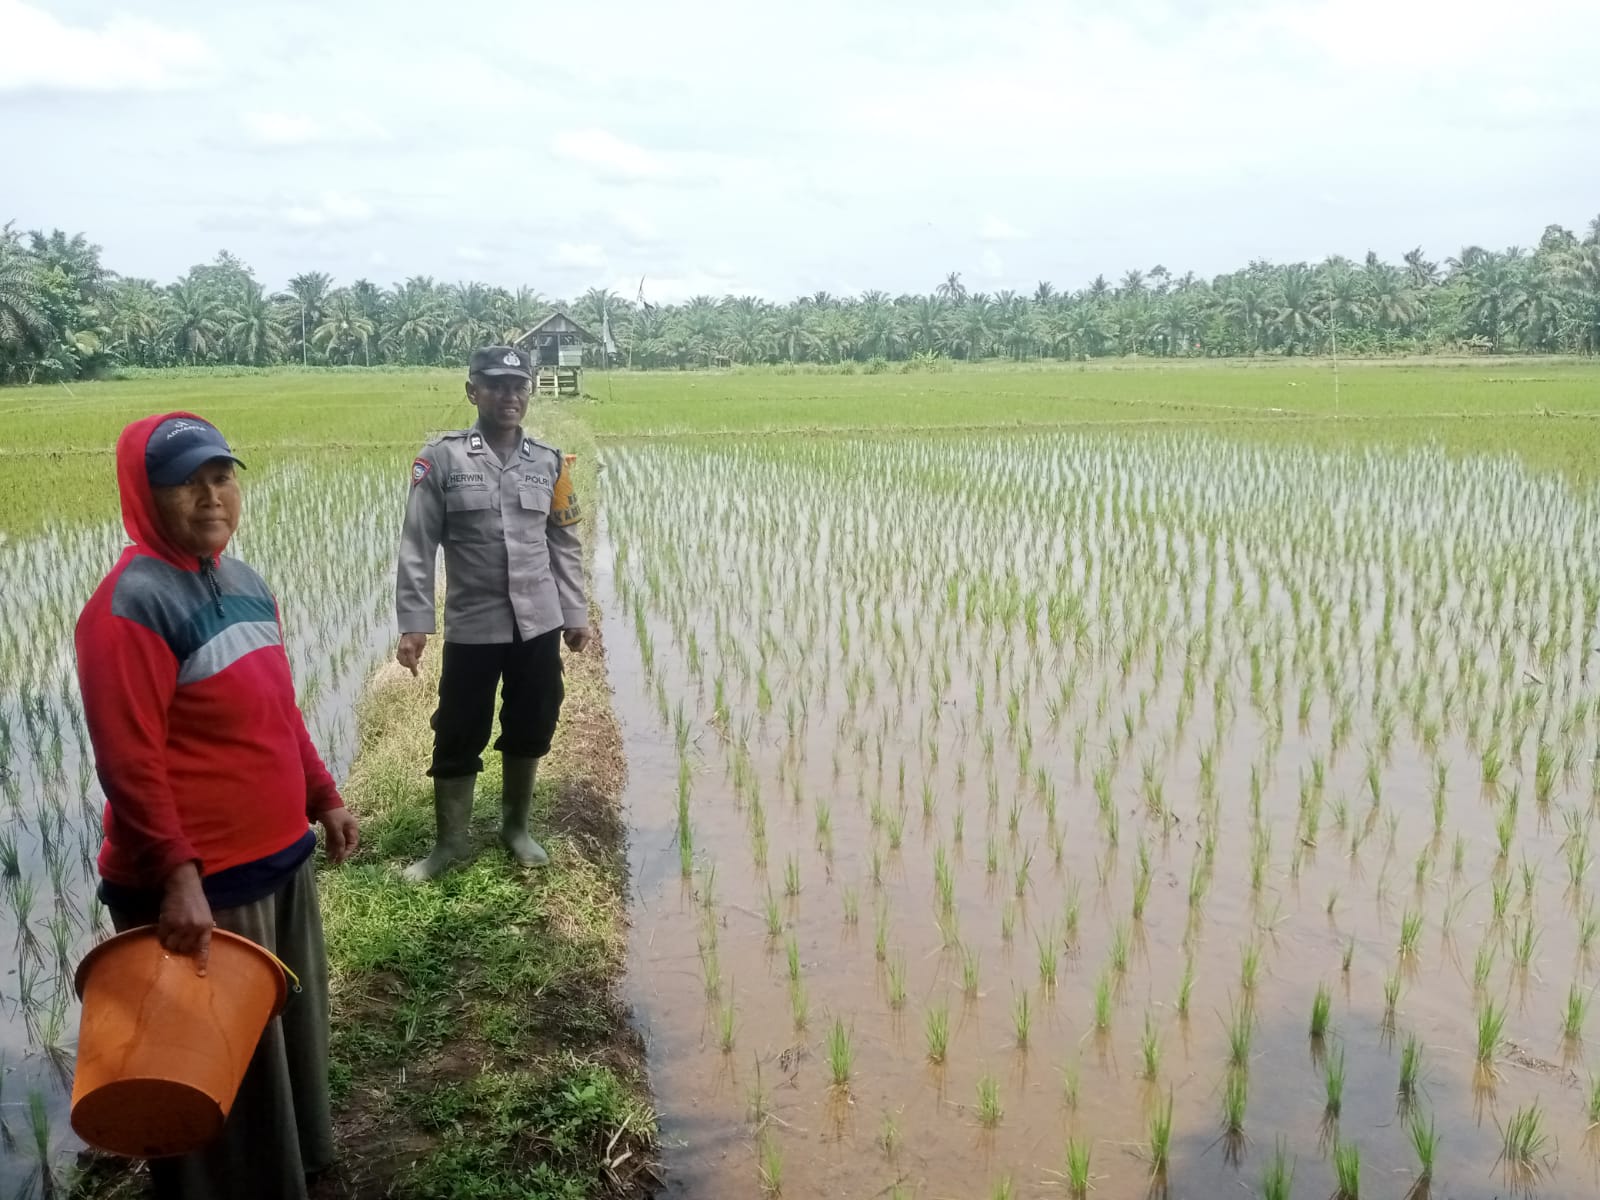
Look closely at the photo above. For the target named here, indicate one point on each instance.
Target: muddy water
(901, 1121)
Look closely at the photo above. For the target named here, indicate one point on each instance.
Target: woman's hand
(185, 923)
(342, 835)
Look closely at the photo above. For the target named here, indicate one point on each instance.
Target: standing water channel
(1050, 814)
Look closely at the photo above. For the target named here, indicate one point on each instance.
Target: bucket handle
(294, 980)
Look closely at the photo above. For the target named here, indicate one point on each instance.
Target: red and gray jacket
(199, 746)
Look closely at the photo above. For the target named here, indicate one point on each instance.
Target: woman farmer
(211, 783)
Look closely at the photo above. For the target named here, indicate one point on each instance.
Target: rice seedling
(1185, 988)
(897, 982)
(880, 934)
(1347, 1171)
(1410, 933)
(1048, 955)
(1524, 942)
(1391, 997)
(841, 1054)
(971, 971)
(1071, 1085)
(1425, 1143)
(1333, 1083)
(1150, 1051)
(799, 1005)
(1021, 1018)
(1321, 1007)
(1102, 1002)
(1077, 1173)
(1277, 1180)
(1119, 949)
(1349, 953)
(770, 1165)
(990, 1109)
(1250, 967)
(852, 906)
(889, 1135)
(791, 876)
(936, 1026)
(1523, 1139)
(725, 1027)
(1576, 1013)
(1235, 1096)
(1410, 1068)
(1008, 921)
(1161, 1136)
(1491, 1027)
(1240, 1028)
(1483, 965)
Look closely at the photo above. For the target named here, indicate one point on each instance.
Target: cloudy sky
(779, 148)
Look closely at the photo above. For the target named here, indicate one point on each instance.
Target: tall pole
(302, 331)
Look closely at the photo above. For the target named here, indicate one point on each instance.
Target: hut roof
(557, 322)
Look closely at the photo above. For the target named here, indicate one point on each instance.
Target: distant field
(55, 444)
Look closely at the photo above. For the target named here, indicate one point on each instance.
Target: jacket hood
(139, 515)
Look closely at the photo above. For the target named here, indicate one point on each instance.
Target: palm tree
(252, 328)
(134, 321)
(344, 328)
(23, 323)
(952, 290)
(194, 320)
(1292, 307)
(309, 290)
(416, 321)
(793, 329)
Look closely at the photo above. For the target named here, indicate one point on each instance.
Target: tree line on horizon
(64, 315)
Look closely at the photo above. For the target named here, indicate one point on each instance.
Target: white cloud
(994, 229)
(45, 54)
(330, 210)
(584, 256)
(635, 225)
(608, 156)
(281, 129)
(991, 265)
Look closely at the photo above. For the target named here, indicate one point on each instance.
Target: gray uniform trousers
(280, 1126)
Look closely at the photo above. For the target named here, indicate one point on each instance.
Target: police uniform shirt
(513, 561)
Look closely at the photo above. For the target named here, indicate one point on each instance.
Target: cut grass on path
(479, 1048)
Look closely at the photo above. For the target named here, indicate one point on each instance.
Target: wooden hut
(555, 351)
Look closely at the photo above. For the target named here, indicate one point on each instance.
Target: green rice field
(1042, 782)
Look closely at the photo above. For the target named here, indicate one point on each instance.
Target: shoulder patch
(564, 507)
(419, 470)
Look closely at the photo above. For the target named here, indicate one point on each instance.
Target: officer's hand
(576, 639)
(410, 652)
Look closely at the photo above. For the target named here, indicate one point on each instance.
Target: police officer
(502, 505)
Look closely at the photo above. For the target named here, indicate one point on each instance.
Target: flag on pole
(605, 332)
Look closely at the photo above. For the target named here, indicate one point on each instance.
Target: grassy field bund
(481, 1049)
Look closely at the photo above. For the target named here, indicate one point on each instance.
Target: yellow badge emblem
(564, 507)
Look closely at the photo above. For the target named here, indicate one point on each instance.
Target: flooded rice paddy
(1053, 815)
(335, 591)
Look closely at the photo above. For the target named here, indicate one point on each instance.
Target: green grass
(424, 975)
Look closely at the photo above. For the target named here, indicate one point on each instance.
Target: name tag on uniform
(535, 481)
(465, 481)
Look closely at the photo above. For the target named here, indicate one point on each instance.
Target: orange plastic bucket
(161, 1049)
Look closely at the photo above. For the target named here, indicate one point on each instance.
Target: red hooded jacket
(199, 746)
